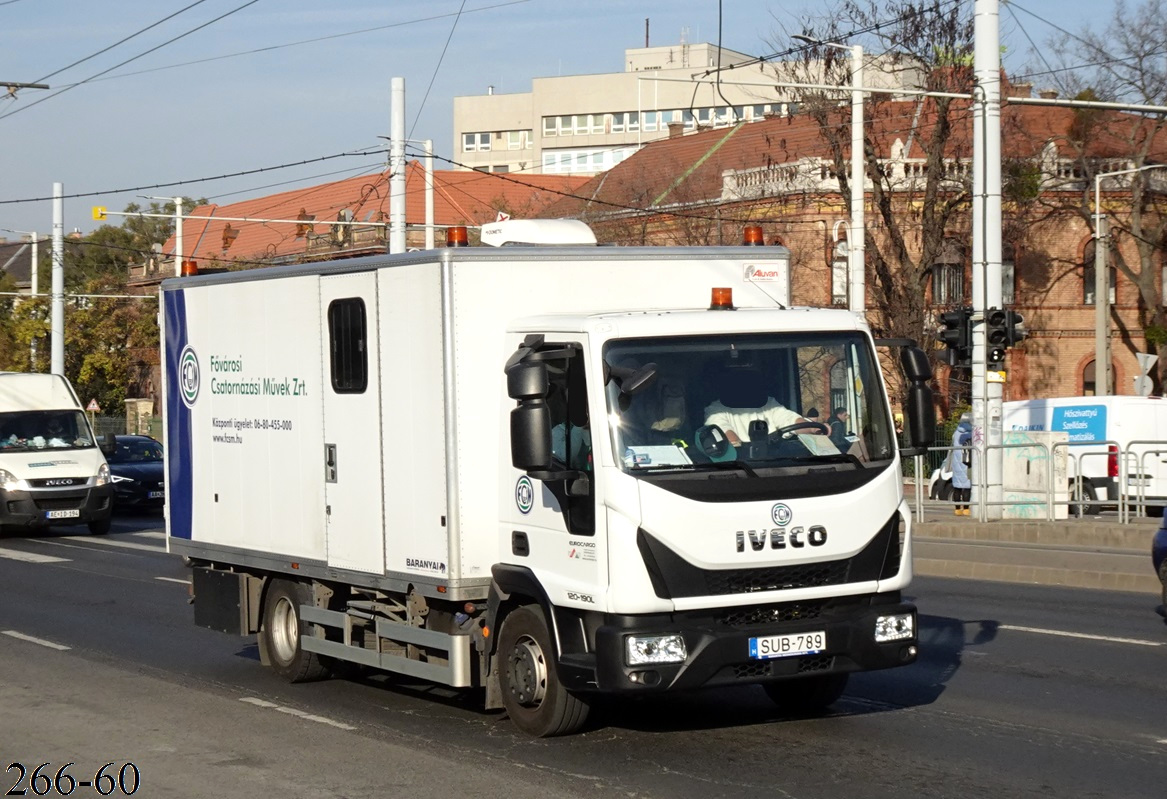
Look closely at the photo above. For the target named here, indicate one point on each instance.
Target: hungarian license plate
(157, 494)
(62, 514)
(785, 646)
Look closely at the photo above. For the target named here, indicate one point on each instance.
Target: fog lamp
(641, 649)
(894, 628)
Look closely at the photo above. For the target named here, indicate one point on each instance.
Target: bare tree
(921, 202)
(1123, 63)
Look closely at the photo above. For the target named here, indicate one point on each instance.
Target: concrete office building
(586, 124)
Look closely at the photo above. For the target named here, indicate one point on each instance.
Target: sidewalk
(1081, 553)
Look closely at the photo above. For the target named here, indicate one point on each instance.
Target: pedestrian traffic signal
(996, 336)
(956, 333)
(1014, 329)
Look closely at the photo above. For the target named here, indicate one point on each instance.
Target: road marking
(173, 580)
(293, 712)
(150, 534)
(1063, 633)
(30, 557)
(40, 641)
(103, 542)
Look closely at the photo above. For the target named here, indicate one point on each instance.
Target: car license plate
(62, 514)
(785, 646)
(157, 494)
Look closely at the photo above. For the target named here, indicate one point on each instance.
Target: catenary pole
(57, 315)
(397, 165)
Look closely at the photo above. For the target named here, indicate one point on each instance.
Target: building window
(516, 139)
(948, 276)
(1090, 380)
(475, 142)
(548, 126)
(651, 120)
(1008, 276)
(618, 123)
(1088, 277)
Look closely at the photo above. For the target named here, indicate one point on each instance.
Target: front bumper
(33, 508)
(718, 645)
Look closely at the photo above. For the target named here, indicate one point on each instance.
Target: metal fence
(1076, 493)
(140, 425)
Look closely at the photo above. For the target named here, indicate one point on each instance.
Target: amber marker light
(752, 235)
(721, 300)
(457, 237)
(190, 268)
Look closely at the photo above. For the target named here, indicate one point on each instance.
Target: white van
(51, 469)
(1104, 431)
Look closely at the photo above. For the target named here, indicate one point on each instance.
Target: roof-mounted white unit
(537, 231)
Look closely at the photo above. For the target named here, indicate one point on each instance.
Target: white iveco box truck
(51, 469)
(494, 467)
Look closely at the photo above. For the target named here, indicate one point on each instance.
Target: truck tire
(282, 629)
(807, 695)
(1163, 580)
(535, 700)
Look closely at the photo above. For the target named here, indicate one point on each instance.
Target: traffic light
(956, 333)
(1015, 331)
(996, 336)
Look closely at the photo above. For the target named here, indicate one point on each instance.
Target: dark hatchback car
(135, 468)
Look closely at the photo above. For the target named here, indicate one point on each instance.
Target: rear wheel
(807, 695)
(536, 701)
(282, 629)
(1086, 499)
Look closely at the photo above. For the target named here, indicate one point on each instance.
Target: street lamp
(855, 234)
(1102, 366)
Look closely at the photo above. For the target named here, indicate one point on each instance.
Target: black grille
(672, 576)
(816, 663)
(745, 581)
(754, 616)
(57, 482)
(751, 671)
(66, 503)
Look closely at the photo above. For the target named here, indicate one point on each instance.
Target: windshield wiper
(728, 466)
(842, 457)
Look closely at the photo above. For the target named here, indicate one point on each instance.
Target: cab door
(354, 510)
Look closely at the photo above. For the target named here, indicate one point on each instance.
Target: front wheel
(1085, 500)
(100, 526)
(1163, 580)
(807, 695)
(536, 701)
(282, 629)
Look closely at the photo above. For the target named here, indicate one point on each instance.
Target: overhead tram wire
(437, 66)
(235, 10)
(243, 173)
(121, 41)
(314, 40)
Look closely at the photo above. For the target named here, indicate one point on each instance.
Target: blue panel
(1082, 422)
(179, 441)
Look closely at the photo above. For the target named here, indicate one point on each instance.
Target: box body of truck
(341, 449)
(51, 469)
(1118, 444)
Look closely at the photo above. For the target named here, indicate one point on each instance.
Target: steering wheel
(784, 433)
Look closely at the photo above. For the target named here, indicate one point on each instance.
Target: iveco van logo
(782, 538)
(60, 481)
(188, 375)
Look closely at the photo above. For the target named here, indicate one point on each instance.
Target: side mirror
(531, 436)
(921, 421)
(527, 380)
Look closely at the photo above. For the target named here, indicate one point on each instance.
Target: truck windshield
(39, 430)
(750, 401)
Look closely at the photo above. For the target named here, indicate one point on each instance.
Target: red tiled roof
(688, 169)
(460, 198)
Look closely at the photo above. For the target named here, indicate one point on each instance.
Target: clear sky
(227, 86)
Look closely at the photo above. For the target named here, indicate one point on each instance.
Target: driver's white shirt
(738, 420)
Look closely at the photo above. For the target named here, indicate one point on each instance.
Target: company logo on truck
(188, 375)
(782, 538)
(763, 272)
(425, 565)
(524, 495)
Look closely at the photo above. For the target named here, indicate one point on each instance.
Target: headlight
(103, 474)
(8, 481)
(643, 649)
(894, 628)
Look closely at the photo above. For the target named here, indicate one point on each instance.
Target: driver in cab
(742, 398)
